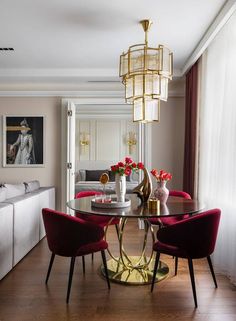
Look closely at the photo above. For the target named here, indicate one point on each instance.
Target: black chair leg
(105, 268)
(92, 257)
(176, 265)
(155, 270)
(83, 262)
(50, 267)
(72, 263)
(190, 265)
(212, 271)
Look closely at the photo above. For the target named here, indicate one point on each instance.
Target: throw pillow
(31, 186)
(94, 175)
(3, 193)
(14, 190)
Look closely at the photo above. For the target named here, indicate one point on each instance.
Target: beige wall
(168, 140)
(50, 174)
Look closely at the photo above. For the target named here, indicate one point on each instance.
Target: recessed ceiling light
(7, 49)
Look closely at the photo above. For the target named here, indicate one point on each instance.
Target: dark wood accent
(72, 264)
(155, 270)
(83, 262)
(191, 272)
(105, 268)
(212, 271)
(176, 265)
(50, 267)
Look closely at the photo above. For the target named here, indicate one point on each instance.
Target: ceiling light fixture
(145, 72)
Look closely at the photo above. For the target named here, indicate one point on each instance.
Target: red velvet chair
(70, 236)
(165, 221)
(192, 238)
(99, 220)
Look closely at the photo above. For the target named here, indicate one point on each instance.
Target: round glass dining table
(138, 269)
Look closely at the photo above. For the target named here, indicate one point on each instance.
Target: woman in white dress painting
(25, 144)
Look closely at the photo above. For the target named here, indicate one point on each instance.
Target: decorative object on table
(121, 170)
(104, 179)
(144, 189)
(145, 72)
(161, 192)
(111, 204)
(23, 141)
(154, 204)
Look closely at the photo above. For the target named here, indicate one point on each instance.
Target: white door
(68, 158)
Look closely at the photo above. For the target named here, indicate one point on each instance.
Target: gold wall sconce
(84, 139)
(131, 141)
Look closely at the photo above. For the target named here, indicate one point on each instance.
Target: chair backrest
(65, 233)
(180, 194)
(87, 193)
(196, 235)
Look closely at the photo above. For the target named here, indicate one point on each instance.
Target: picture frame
(23, 141)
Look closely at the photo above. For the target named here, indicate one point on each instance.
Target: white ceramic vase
(120, 187)
(161, 192)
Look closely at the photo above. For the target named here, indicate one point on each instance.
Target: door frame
(145, 137)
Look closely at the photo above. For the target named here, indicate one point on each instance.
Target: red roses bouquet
(161, 176)
(126, 167)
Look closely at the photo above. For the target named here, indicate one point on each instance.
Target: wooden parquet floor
(24, 296)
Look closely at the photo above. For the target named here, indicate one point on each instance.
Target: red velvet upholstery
(100, 220)
(71, 237)
(87, 193)
(68, 235)
(192, 238)
(172, 220)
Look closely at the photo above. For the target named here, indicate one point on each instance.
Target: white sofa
(83, 183)
(21, 225)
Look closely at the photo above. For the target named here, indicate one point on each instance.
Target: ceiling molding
(59, 72)
(63, 74)
(64, 94)
(219, 22)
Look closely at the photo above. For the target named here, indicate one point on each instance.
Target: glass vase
(161, 192)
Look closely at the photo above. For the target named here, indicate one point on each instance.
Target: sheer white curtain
(217, 142)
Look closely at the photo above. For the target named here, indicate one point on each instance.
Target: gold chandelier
(145, 72)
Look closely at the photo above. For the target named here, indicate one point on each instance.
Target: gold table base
(117, 272)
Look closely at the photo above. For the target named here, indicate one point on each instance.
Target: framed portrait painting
(23, 141)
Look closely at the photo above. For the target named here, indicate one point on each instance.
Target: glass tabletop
(175, 206)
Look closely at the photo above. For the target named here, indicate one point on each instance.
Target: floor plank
(24, 296)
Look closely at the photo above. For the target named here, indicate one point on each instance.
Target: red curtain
(190, 129)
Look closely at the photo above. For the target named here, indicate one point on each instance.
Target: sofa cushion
(32, 186)
(94, 175)
(3, 193)
(14, 190)
(80, 175)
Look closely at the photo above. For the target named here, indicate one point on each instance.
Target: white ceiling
(62, 36)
